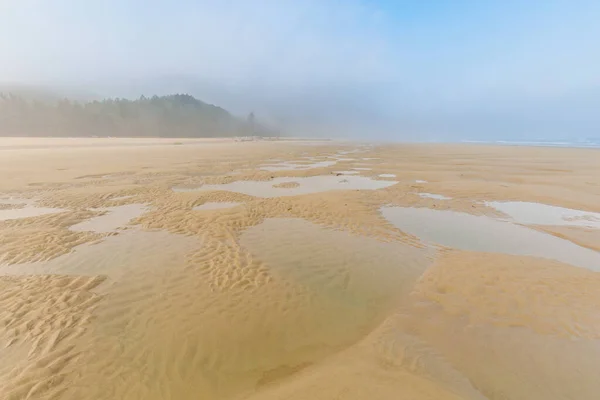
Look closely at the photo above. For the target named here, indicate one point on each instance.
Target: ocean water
(583, 143)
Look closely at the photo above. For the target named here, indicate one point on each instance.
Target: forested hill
(176, 115)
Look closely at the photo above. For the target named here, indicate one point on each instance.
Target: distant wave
(578, 144)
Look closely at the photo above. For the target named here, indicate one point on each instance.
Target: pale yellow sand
(314, 296)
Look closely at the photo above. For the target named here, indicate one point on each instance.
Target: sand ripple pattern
(314, 296)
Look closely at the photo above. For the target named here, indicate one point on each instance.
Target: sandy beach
(220, 269)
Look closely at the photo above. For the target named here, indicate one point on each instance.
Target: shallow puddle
(434, 196)
(544, 214)
(333, 261)
(24, 208)
(290, 166)
(480, 233)
(216, 205)
(115, 218)
(306, 185)
(343, 159)
(15, 201)
(236, 319)
(387, 175)
(114, 257)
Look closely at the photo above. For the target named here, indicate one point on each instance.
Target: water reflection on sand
(481, 233)
(305, 185)
(15, 208)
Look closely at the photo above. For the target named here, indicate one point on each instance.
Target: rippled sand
(134, 290)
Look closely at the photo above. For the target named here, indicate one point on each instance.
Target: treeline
(178, 115)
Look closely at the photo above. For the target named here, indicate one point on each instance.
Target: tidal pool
(480, 233)
(434, 196)
(543, 214)
(290, 166)
(306, 185)
(115, 218)
(24, 208)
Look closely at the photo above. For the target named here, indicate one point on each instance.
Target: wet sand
(185, 269)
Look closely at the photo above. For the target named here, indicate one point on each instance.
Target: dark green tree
(178, 115)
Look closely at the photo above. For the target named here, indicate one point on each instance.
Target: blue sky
(393, 69)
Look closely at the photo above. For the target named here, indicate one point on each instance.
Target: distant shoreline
(33, 142)
(42, 142)
(590, 145)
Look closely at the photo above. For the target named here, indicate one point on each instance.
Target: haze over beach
(379, 69)
(236, 200)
